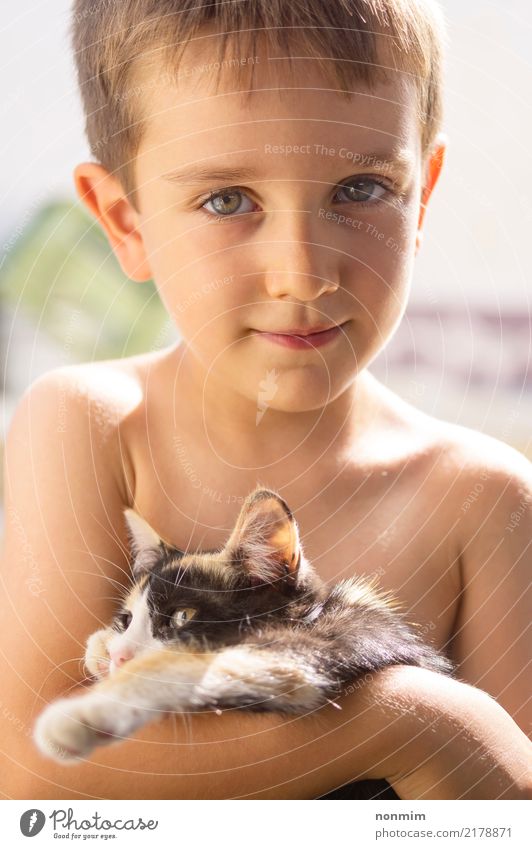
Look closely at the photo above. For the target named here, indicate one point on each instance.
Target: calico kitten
(248, 626)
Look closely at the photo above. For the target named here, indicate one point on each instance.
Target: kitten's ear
(265, 540)
(144, 543)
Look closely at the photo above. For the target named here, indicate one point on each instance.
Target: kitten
(248, 626)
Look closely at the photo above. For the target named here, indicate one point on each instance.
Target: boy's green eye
(227, 202)
(361, 190)
(232, 201)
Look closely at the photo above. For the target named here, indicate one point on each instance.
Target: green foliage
(62, 272)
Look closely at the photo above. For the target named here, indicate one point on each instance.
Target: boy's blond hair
(117, 41)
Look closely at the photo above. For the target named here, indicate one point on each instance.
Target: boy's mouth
(304, 338)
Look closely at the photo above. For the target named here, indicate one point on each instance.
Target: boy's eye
(227, 202)
(361, 190)
(232, 201)
(123, 620)
(184, 615)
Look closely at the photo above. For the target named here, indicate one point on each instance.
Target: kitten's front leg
(97, 660)
(137, 693)
(69, 729)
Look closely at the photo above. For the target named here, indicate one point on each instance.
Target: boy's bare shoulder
(458, 450)
(81, 408)
(107, 390)
(114, 385)
(491, 484)
(468, 474)
(483, 487)
(476, 453)
(471, 456)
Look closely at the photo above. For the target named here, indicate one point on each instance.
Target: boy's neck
(238, 429)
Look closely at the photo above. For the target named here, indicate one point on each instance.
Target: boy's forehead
(186, 114)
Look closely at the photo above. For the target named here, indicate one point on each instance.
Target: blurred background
(463, 351)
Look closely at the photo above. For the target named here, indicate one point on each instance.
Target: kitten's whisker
(116, 539)
(73, 687)
(186, 722)
(195, 521)
(180, 573)
(334, 704)
(97, 557)
(117, 598)
(119, 584)
(115, 565)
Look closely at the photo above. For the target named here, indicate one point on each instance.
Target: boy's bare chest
(391, 526)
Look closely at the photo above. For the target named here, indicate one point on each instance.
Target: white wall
(477, 242)
(42, 136)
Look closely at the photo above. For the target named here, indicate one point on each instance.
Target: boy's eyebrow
(208, 173)
(195, 173)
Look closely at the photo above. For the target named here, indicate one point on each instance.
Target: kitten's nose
(121, 656)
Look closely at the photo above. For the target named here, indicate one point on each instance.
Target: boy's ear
(432, 171)
(104, 197)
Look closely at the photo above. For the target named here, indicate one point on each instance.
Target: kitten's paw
(97, 660)
(69, 729)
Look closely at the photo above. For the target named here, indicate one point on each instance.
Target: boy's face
(319, 230)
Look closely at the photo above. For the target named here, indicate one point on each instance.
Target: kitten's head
(212, 598)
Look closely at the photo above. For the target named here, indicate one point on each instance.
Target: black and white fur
(249, 626)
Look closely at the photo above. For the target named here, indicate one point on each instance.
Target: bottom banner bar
(312, 824)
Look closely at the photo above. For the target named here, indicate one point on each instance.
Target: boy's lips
(304, 331)
(303, 338)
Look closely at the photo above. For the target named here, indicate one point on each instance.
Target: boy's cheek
(202, 319)
(218, 302)
(389, 259)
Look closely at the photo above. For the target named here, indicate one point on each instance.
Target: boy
(279, 215)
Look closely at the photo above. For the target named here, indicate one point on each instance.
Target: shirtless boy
(261, 205)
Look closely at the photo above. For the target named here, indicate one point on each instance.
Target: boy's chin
(294, 391)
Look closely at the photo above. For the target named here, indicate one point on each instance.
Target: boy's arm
(432, 738)
(65, 546)
(493, 640)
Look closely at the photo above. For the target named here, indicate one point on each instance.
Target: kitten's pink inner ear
(285, 545)
(267, 536)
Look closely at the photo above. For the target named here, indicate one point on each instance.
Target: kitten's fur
(266, 634)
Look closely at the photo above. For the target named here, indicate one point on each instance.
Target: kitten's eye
(123, 620)
(184, 615)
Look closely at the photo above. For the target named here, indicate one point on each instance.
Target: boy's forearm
(237, 754)
(410, 726)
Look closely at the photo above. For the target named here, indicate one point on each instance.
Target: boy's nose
(303, 285)
(296, 263)
(122, 655)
